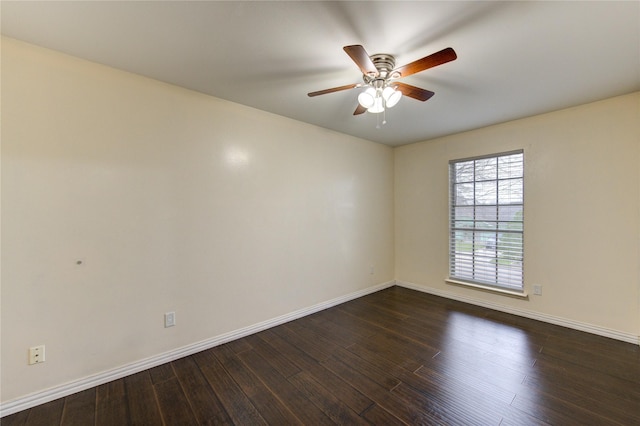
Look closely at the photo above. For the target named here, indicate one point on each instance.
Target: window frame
(463, 266)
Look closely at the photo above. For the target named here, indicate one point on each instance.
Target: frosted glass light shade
(367, 98)
(378, 105)
(391, 96)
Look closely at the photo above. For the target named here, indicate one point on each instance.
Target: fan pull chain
(384, 117)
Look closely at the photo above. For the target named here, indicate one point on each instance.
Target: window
(486, 222)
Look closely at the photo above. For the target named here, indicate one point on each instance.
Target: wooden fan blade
(334, 89)
(362, 59)
(438, 58)
(414, 92)
(359, 110)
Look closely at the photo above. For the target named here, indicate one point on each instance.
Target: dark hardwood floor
(394, 357)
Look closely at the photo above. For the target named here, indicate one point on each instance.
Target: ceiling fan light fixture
(378, 105)
(367, 98)
(391, 96)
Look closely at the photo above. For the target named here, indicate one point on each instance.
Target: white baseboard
(66, 389)
(564, 322)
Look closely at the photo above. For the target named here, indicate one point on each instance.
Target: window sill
(504, 292)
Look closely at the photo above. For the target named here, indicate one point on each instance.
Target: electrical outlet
(537, 290)
(169, 319)
(36, 355)
(372, 270)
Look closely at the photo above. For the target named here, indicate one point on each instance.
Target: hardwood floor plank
(402, 409)
(141, 400)
(354, 323)
(515, 416)
(455, 392)
(447, 413)
(207, 408)
(341, 389)
(379, 416)
(586, 340)
(174, 406)
(236, 403)
(46, 414)
(499, 341)
(281, 363)
(458, 401)
(461, 351)
(79, 408)
(304, 409)
(387, 310)
(448, 391)
(309, 347)
(587, 398)
(377, 317)
(557, 371)
(344, 325)
(407, 329)
(531, 422)
(111, 404)
(404, 352)
(478, 370)
(16, 419)
(532, 328)
(324, 399)
(557, 412)
(381, 376)
(626, 370)
(327, 330)
(320, 345)
(392, 303)
(267, 404)
(608, 350)
(161, 373)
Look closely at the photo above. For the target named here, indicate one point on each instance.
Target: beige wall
(582, 202)
(173, 201)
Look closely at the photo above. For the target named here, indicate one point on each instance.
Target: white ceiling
(515, 59)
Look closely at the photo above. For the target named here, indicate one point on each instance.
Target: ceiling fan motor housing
(385, 64)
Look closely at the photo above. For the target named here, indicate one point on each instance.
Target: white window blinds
(486, 220)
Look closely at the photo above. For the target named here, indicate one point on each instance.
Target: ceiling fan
(380, 75)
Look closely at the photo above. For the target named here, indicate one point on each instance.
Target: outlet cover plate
(169, 319)
(36, 354)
